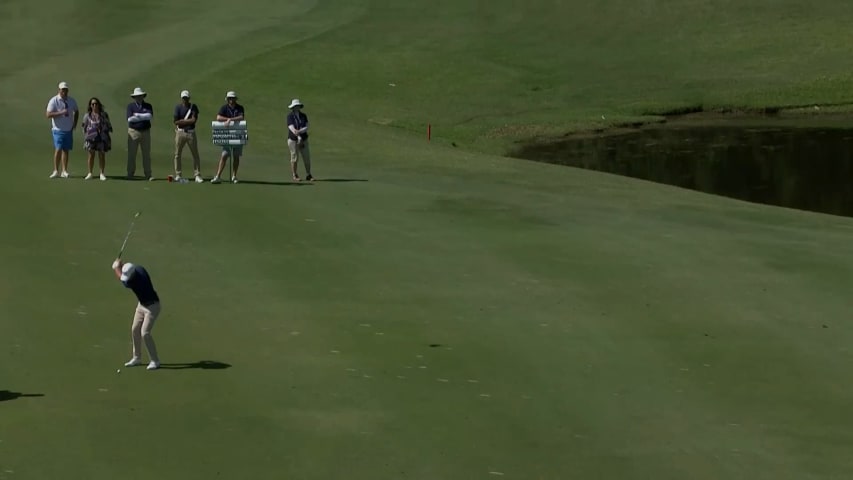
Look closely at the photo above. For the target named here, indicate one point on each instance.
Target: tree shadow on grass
(202, 364)
(7, 395)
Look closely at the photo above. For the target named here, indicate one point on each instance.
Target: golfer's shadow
(202, 364)
(7, 395)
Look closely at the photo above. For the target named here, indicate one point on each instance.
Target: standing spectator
(96, 135)
(186, 115)
(297, 139)
(139, 114)
(231, 112)
(63, 114)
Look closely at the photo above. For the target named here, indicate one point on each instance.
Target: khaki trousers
(304, 152)
(136, 139)
(187, 139)
(143, 323)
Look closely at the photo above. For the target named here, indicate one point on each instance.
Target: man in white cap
(139, 114)
(231, 112)
(297, 139)
(186, 115)
(136, 278)
(63, 114)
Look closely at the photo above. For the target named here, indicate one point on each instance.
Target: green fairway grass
(425, 310)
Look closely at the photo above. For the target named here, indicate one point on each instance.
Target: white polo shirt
(57, 104)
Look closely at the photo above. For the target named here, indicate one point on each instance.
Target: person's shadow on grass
(339, 180)
(267, 182)
(7, 395)
(303, 183)
(202, 364)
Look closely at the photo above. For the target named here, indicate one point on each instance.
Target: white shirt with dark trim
(57, 104)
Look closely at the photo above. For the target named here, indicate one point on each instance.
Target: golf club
(129, 230)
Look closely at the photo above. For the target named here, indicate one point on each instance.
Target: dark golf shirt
(181, 114)
(133, 108)
(228, 111)
(140, 283)
(298, 120)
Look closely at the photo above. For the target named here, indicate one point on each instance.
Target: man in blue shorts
(136, 278)
(231, 112)
(62, 112)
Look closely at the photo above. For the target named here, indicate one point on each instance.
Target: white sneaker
(198, 179)
(215, 179)
(178, 178)
(234, 179)
(88, 177)
(103, 177)
(153, 366)
(54, 174)
(133, 362)
(65, 175)
(151, 178)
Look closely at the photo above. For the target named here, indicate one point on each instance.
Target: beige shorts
(296, 151)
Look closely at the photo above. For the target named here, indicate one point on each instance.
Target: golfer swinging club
(137, 279)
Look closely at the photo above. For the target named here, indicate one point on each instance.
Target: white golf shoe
(54, 174)
(153, 366)
(234, 179)
(88, 177)
(198, 179)
(133, 362)
(215, 179)
(103, 177)
(65, 175)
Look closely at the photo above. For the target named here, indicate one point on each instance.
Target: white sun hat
(295, 103)
(62, 85)
(185, 94)
(138, 92)
(127, 271)
(231, 94)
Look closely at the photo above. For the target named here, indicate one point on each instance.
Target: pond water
(802, 168)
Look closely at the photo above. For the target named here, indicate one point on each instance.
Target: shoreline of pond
(784, 159)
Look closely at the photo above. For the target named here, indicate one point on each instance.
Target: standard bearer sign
(233, 134)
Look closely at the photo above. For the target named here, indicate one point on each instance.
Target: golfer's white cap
(231, 94)
(62, 85)
(185, 94)
(127, 271)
